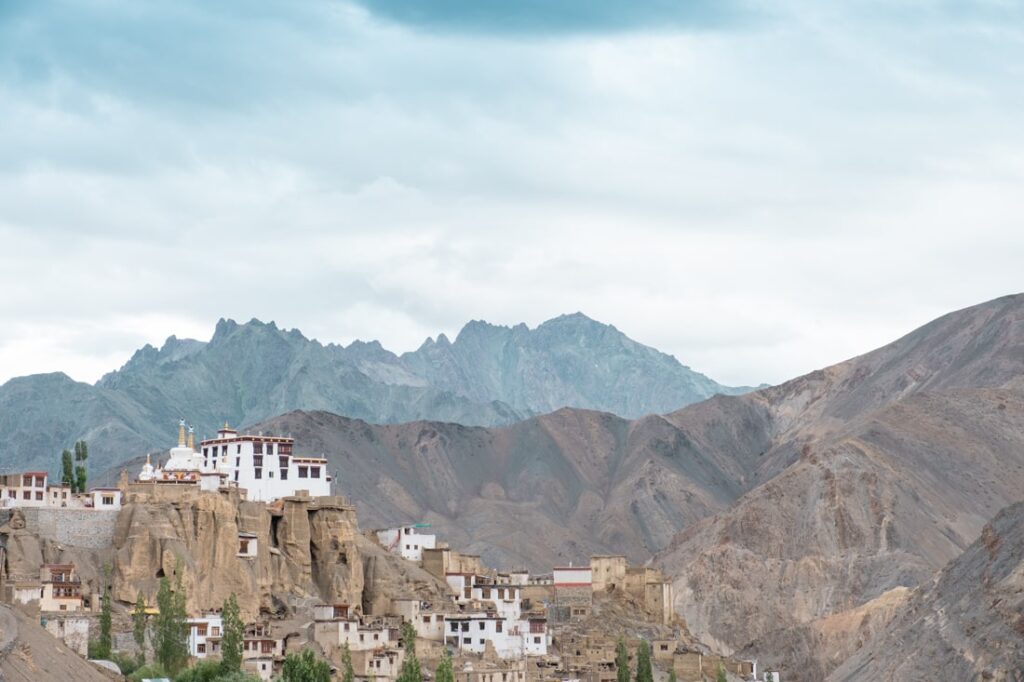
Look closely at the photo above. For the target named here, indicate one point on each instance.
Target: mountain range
(490, 375)
(816, 525)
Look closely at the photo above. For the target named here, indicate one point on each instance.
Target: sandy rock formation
(305, 554)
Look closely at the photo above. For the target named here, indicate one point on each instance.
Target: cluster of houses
(500, 626)
(33, 489)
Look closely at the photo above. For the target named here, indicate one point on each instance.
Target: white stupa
(184, 463)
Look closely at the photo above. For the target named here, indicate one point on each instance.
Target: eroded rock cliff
(305, 551)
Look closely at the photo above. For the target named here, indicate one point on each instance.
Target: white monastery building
(407, 541)
(263, 466)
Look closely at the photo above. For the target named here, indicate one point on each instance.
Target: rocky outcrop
(305, 551)
(967, 624)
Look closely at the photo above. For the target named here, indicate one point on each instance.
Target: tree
(67, 471)
(643, 662)
(348, 673)
(769, 677)
(672, 675)
(171, 634)
(81, 454)
(139, 626)
(234, 635)
(721, 677)
(105, 642)
(444, 671)
(305, 667)
(410, 670)
(621, 661)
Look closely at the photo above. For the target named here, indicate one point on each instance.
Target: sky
(759, 188)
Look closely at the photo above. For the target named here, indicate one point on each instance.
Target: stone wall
(89, 528)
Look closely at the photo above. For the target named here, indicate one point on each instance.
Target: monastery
(264, 467)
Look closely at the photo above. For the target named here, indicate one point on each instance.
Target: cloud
(553, 18)
(759, 199)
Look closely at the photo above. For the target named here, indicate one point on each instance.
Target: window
(303, 472)
(243, 547)
(39, 494)
(26, 480)
(11, 493)
(108, 500)
(314, 472)
(267, 648)
(238, 449)
(467, 640)
(536, 640)
(257, 460)
(216, 630)
(282, 461)
(257, 448)
(664, 647)
(25, 495)
(481, 625)
(259, 473)
(206, 452)
(201, 648)
(270, 448)
(270, 473)
(40, 481)
(455, 627)
(498, 625)
(481, 640)
(284, 474)
(238, 462)
(236, 474)
(63, 607)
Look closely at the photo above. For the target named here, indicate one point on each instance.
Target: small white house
(407, 541)
(204, 635)
(105, 498)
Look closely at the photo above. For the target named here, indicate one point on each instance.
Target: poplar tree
(67, 470)
(348, 673)
(672, 675)
(105, 642)
(234, 636)
(722, 677)
(444, 673)
(621, 661)
(643, 663)
(139, 626)
(171, 634)
(81, 454)
(410, 670)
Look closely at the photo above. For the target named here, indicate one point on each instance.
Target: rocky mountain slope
(878, 471)
(489, 375)
(967, 624)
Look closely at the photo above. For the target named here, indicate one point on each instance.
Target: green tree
(444, 672)
(672, 675)
(139, 626)
(721, 677)
(348, 673)
(410, 670)
(643, 662)
(769, 677)
(171, 636)
(305, 667)
(81, 454)
(67, 471)
(105, 642)
(234, 636)
(621, 661)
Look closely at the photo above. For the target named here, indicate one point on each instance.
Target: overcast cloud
(760, 190)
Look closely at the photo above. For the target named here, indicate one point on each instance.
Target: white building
(27, 489)
(428, 624)
(263, 466)
(573, 576)
(510, 639)
(407, 541)
(204, 635)
(105, 498)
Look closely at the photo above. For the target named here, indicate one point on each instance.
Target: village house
(407, 541)
(428, 624)
(61, 589)
(261, 651)
(492, 671)
(204, 635)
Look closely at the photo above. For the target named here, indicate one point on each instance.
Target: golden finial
(181, 433)
(191, 439)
